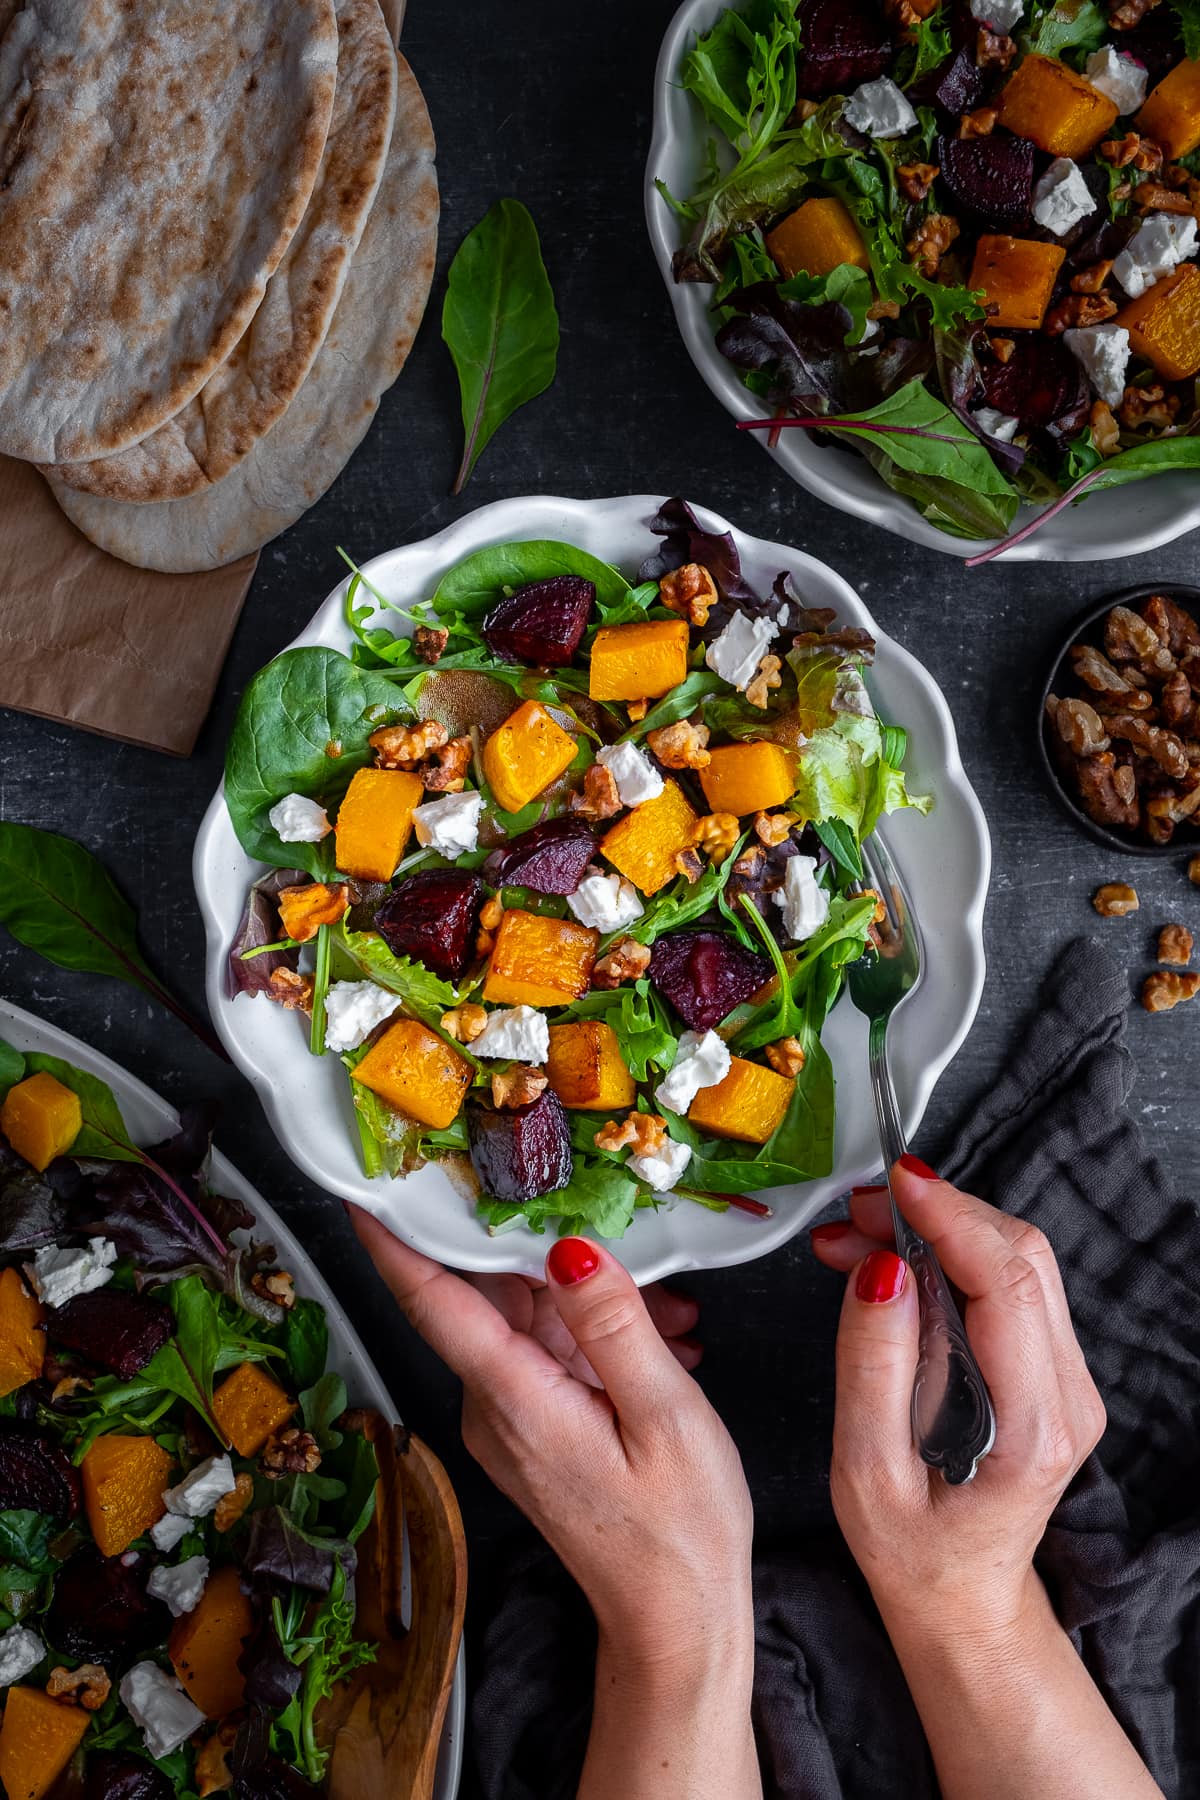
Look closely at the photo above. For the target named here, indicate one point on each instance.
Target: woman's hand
(577, 1402)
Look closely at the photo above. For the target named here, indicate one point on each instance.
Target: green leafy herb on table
(500, 324)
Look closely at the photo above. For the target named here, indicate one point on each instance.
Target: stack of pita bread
(218, 224)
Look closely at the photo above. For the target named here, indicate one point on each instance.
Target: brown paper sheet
(86, 639)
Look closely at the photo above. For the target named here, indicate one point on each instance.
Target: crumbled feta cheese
(662, 1171)
(170, 1531)
(880, 109)
(297, 820)
(21, 1651)
(1062, 197)
(518, 1032)
(59, 1275)
(739, 649)
(701, 1060)
(180, 1586)
(1104, 352)
(352, 1011)
(995, 423)
(198, 1493)
(1160, 242)
(999, 16)
(605, 902)
(1119, 76)
(635, 775)
(449, 826)
(159, 1708)
(805, 905)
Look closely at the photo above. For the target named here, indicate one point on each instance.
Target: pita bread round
(211, 434)
(368, 344)
(156, 159)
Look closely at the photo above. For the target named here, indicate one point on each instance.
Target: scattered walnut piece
(787, 1056)
(1003, 348)
(1175, 946)
(680, 746)
(491, 912)
(291, 989)
(880, 913)
(88, 1686)
(1165, 990)
(772, 828)
(598, 798)
(637, 710)
(277, 1287)
(1155, 196)
(884, 309)
(231, 1506)
(646, 1133)
(690, 591)
(446, 772)
(716, 834)
(1149, 405)
(69, 1386)
(404, 746)
(1106, 433)
(916, 179)
(993, 50)
(1076, 311)
(688, 864)
(464, 1023)
(519, 1086)
(429, 641)
(290, 1452)
(1193, 871)
(980, 123)
(626, 961)
(1115, 900)
(930, 242)
(1092, 279)
(1143, 153)
(1123, 15)
(213, 1774)
(765, 677)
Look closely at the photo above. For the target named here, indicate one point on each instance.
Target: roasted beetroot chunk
(957, 87)
(844, 42)
(990, 178)
(101, 1611)
(704, 975)
(549, 858)
(543, 623)
(434, 916)
(119, 1331)
(35, 1475)
(521, 1152)
(1041, 384)
(112, 1776)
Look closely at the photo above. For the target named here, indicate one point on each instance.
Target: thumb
(601, 1306)
(876, 1362)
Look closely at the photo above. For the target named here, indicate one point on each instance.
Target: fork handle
(953, 1421)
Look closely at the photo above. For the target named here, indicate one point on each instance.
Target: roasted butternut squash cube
(1017, 276)
(1164, 324)
(645, 843)
(525, 754)
(41, 1118)
(304, 909)
(250, 1407)
(417, 1072)
(1055, 108)
(374, 821)
(749, 1104)
(123, 1483)
(744, 778)
(817, 238)
(639, 661)
(22, 1344)
(586, 1069)
(205, 1644)
(1171, 113)
(38, 1740)
(538, 961)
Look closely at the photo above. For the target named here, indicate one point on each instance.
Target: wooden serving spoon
(384, 1726)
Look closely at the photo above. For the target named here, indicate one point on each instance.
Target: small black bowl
(1081, 630)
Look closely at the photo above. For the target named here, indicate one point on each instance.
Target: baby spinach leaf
(681, 902)
(848, 285)
(306, 1342)
(800, 1149)
(842, 845)
(302, 727)
(473, 586)
(1069, 25)
(681, 701)
(639, 1019)
(500, 324)
(12, 1067)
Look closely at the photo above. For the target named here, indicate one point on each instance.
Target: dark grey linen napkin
(1051, 1141)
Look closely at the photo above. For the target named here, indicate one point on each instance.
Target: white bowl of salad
(535, 874)
(965, 229)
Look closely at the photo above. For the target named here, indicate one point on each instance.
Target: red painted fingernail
(915, 1166)
(829, 1234)
(881, 1277)
(872, 1187)
(571, 1260)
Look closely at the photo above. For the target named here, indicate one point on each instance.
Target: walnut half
(1115, 900)
(1175, 946)
(519, 1086)
(1165, 990)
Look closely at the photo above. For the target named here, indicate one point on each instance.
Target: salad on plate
(565, 869)
(181, 1484)
(961, 236)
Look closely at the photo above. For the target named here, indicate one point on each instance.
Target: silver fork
(953, 1422)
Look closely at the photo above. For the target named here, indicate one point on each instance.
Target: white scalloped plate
(150, 1120)
(1125, 522)
(945, 860)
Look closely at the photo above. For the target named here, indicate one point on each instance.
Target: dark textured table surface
(551, 104)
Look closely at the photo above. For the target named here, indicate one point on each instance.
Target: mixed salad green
(959, 236)
(181, 1486)
(600, 974)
